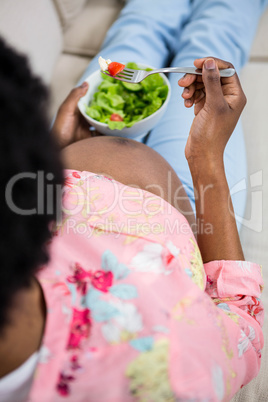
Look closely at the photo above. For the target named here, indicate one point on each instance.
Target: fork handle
(226, 72)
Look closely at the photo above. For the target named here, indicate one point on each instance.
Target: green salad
(121, 104)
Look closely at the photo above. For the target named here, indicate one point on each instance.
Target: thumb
(70, 103)
(212, 82)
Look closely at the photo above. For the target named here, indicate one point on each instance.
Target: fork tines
(128, 71)
(125, 75)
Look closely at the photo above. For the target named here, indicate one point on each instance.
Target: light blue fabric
(176, 32)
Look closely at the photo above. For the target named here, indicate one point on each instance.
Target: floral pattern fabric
(132, 312)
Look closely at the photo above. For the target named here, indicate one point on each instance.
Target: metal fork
(136, 76)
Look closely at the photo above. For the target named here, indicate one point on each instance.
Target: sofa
(60, 37)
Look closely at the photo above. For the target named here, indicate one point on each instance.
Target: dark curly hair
(28, 157)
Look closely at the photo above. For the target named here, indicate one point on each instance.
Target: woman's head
(28, 161)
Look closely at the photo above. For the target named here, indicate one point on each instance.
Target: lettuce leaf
(133, 102)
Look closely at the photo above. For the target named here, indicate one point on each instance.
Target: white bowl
(139, 129)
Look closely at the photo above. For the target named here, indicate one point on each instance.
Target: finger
(220, 63)
(189, 102)
(199, 85)
(199, 79)
(72, 99)
(187, 80)
(212, 82)
(200, 94)
(188, 92)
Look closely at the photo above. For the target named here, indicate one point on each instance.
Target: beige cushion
(95, 20)
(33, 28)
(68, 10)
(260, 45)
(66, 74)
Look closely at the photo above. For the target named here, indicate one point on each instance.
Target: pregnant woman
(130, 306)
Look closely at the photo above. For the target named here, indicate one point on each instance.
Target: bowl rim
(81, 105)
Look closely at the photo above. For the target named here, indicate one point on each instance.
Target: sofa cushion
(33, 28)
(254, 80)
(68, 10)
(95, 19)
(255, 237)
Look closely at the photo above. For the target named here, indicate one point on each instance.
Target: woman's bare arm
(217, 237)
(218, 105)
